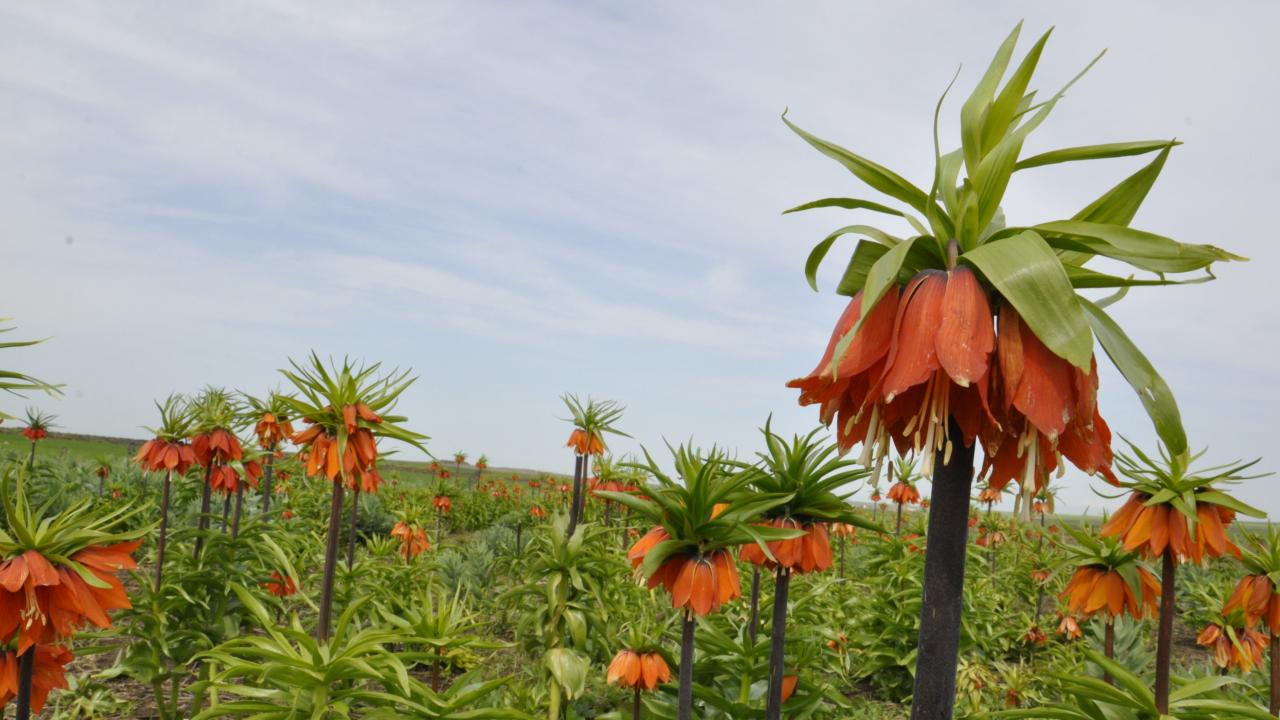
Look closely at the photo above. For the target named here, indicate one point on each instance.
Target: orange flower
(1245, 654)
(1069, 628)
(44, 602)
(642, 546)
(810, 552)
(442, 503)
(904, 494)
(272, 431)
(845, 530)
(158, 455)
(216, 446)
(1152, 528)
(789, 683)
(1040, 575)
(1094, 588)
(990, 538)
(915, 355)
(642, 670)
(584, 443)
(989, 495)
(838, 644)
(1256, 597)
(413, 540)
(48, 673)
(358, 458)
(280, 585)
(35, 433)
(700, 583)
(928, 351)
(537, 511)
(287, 514)
(1035, 636)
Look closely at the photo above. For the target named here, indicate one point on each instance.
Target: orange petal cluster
(358, 459)
(904, 494)
(42, 602)
(584, 443)
(442, 503)
(35, 433)
(1069, 628)
(158, 455)
(810, 552)
(48, 673)
(537, 511)
(1255, 596)
(845, 530)
(272, 431)
(1153, 528)
(1094, 588)
(643, 670)
(216, 446)
(1246, 654)
(699, 583)
(1035, 636)
(280, 585)
(990, 538)
(929, 351)
(413, 540)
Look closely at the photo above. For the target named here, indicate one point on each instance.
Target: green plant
(951, 380)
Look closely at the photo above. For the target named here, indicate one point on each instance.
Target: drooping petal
(966, 336)
(913, 356)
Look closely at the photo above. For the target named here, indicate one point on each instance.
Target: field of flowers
(257, 557)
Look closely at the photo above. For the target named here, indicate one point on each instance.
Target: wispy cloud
(522, 199)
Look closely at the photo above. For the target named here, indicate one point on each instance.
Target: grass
(88, 448)
(79, 447)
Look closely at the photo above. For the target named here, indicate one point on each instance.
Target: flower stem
(1109, 647)
(203, 523)
(755, 603)
(684, 702)
(940, 607)
(26, 672)
(355, 517)
(1275, 674)
(164, 527)
(635, 705)
(266, 482)
(1164, 640)
(330, 560)
(778, 644)
(235, 519)
(577, 492)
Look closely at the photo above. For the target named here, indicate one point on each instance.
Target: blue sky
(524, 199)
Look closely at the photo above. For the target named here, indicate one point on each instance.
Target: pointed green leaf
(846, 203)
(1152, 390)
(1094, 152)
(1026, 272)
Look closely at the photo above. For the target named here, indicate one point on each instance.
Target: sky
(519, 200)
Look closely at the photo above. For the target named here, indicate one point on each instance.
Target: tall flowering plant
(591, 422)
(167, 452)
(815, 480)
(967, 329)
(58, 574)
(346, 410)
(272, 427)
(1176, 513)
(217, 418)
(1108, 582)
(697, 521)
(37, 429)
